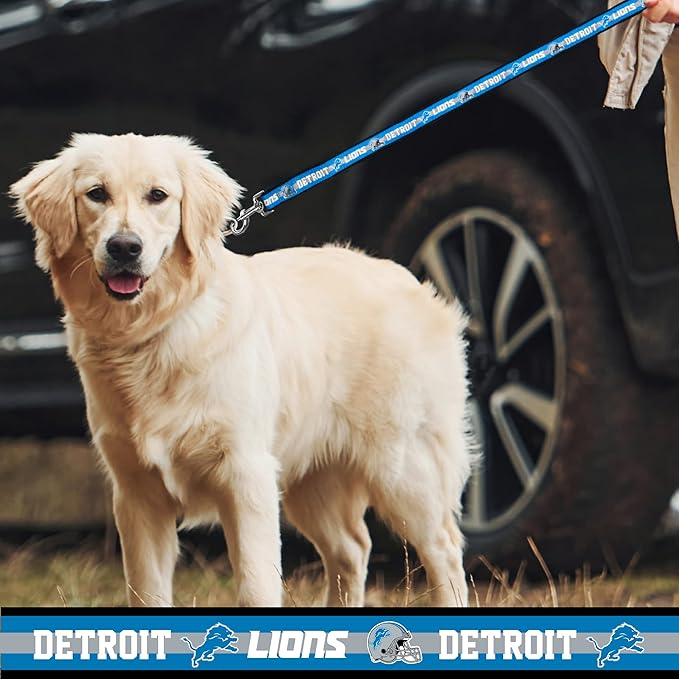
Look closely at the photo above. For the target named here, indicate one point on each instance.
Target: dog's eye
(157, 195)
(97, 194)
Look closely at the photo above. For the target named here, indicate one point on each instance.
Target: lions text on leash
(219, 386)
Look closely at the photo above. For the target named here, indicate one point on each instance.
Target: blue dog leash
(264, 203)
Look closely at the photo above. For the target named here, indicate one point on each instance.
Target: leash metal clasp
(236, 226)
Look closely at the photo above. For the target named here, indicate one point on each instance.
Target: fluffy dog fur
(319, 377)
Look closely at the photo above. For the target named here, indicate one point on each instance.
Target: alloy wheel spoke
(523, 334)
(539, 408)
(511, 440)
(471, 255)
(517, 263)
(475, 505)
(433, 260)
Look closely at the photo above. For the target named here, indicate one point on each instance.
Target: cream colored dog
(218, 384)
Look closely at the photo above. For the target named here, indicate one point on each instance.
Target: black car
(548, 215)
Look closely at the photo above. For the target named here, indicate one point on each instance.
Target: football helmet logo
(389, 642)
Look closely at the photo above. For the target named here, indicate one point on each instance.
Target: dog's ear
(45, 199)
(210, 197)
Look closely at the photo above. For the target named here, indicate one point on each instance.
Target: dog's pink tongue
(124, 283)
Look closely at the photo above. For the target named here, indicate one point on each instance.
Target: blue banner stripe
(333, 166)
(593, 624)
(222, 662)
(222, 640)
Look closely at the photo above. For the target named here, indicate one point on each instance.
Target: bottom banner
(228, 639)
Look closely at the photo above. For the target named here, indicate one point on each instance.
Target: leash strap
(265, 202)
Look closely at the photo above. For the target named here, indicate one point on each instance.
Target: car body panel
(273, 87)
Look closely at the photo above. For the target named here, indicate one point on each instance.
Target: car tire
(575, 445)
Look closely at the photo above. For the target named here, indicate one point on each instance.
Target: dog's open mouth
(124, 285)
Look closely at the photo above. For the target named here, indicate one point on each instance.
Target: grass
(51, 483)
(88, 577)
(35, 491)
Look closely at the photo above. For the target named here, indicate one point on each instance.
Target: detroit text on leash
(265, 202)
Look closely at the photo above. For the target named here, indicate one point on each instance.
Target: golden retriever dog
(220, 386)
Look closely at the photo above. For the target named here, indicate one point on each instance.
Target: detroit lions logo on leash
(623, 638)
(217, 638)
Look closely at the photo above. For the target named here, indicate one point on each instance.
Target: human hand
(662, 11)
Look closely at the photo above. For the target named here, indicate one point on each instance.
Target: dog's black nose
(124, 247)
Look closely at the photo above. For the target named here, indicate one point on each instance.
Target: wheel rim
(517, 355)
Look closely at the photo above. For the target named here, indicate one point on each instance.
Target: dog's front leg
(146, 519)
(146, 522)
(249, 514)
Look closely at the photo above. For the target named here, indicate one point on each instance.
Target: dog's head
(119, 213)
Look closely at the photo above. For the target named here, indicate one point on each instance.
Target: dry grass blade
(405, 577)
(587, 585)
(129, 586)
(456, 592)
(490, 592)
(476, 594)
(285, 585)
(424, 594)
(611, 560)
(339, 589)
(61, 596)
(408, 576)
(159, 599)
(624, 577)
(502, 577)
(518, 581)
(543, 565)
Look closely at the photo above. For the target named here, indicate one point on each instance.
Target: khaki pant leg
(671, 68)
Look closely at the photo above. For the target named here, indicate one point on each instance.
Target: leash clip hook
(236, 226)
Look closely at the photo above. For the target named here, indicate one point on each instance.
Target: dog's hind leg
(419, 506)
(438, 542)
(328, 506)
(441, 555)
